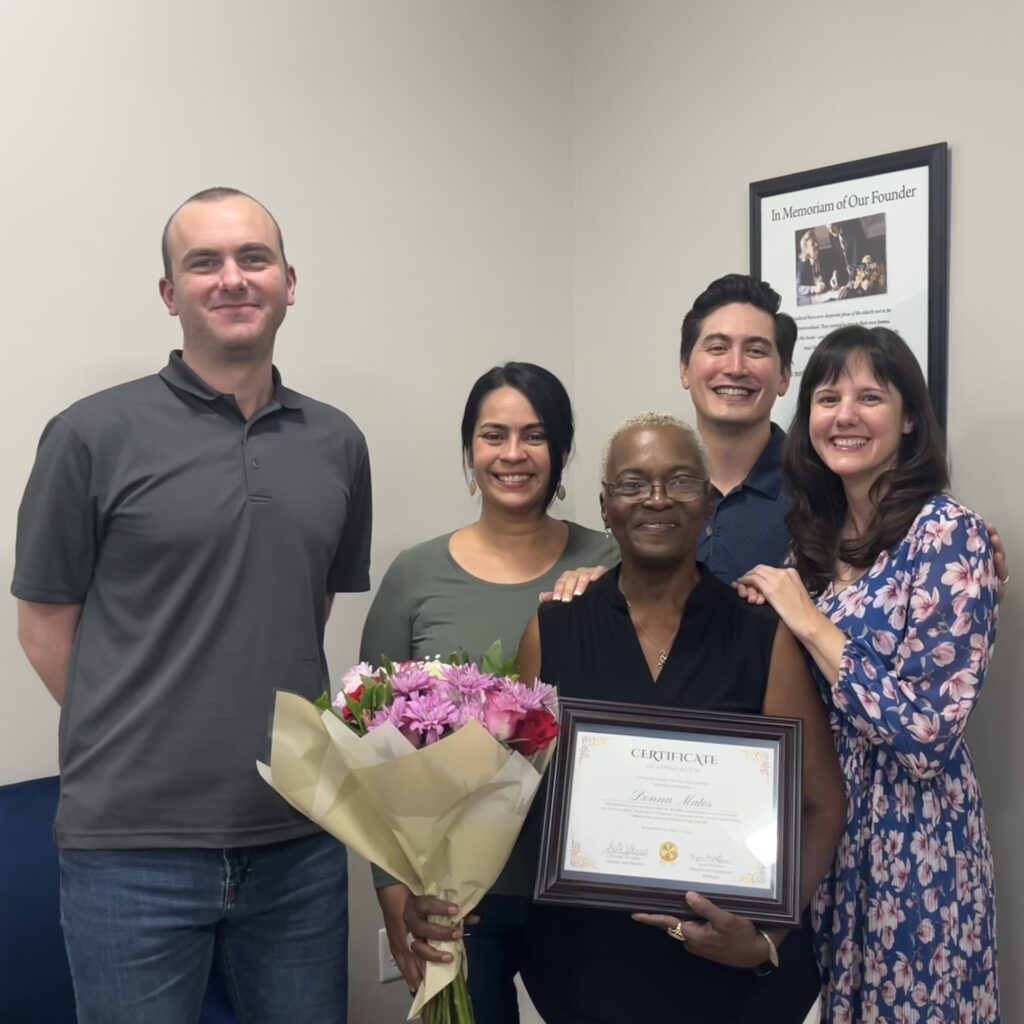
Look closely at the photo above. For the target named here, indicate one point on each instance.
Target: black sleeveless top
(592, 966)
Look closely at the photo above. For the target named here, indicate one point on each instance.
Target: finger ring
(676, 932)
(1003, 580)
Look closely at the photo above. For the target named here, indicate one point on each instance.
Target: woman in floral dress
(894, 597)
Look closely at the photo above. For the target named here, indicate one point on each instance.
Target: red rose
(356, 695)
(534, 733)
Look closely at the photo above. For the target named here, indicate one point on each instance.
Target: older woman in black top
(660, 629)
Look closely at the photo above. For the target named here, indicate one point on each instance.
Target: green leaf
(357, 713)
(323, 702)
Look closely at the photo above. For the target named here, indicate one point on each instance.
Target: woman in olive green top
(477, 585)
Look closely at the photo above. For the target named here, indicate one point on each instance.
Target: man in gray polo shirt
(179, 541)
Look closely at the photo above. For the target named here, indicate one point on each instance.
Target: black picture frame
(559, 885)
(935, 160)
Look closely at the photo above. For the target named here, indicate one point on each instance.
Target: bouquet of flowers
(427, 769)
(869, 275)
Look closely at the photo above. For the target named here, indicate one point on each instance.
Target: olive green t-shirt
(429, 605)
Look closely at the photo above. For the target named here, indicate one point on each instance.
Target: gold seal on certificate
(646, 803)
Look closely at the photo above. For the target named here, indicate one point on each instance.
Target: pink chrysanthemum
(430, 716)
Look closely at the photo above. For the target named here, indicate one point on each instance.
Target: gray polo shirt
(202, 548)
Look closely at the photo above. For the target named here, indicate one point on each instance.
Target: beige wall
(419, 158)
(466, 181)
(678, 107)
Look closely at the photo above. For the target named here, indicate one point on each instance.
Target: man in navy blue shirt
(735, 360)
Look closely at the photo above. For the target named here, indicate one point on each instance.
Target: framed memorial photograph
(865, 242)
(645, 803)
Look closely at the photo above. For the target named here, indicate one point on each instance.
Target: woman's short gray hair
(655, 419)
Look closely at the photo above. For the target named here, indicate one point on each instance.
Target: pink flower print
(921, 573)
(974, 539)
(939, 962)
(925, 931)
(868, 701)
(938, 534)
(962, 625)
(923, 603)
(943, 988)
(854, 601)
(943, 654)
(842, 1013)
(875, 967)
(905, 1014)
(869, 1011)
(919, 993)
(980, 651)
(924, 727)
(960, 578)
(899, 871)
(931, 900)
(889, 993)
(970, 936)
(955, 800)
(957, 712)
(986, 1005)
(910, 645)
(950, 917)
(892, 594)
(902, 972)
(961, 685)
(883, 641)
(919, 766)
(966, 1014)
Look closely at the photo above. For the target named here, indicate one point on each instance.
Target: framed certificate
(646, 803)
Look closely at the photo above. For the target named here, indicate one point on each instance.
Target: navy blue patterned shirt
(748, 525)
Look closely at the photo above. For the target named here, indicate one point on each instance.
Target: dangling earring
(472, 486)
(560, 492)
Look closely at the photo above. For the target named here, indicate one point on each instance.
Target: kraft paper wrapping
(443, 818)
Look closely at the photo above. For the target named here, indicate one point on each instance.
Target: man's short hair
(750, 291)
(213, 195)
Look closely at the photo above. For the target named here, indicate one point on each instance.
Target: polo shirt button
(255, 463)
(709, 530)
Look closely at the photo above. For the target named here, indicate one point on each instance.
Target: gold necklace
(662, 651)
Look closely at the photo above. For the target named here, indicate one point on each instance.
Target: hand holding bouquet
(427, 769)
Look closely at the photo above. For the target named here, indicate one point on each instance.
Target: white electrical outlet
(387, 969)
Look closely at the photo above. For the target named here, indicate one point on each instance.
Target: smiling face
(229, 284)
(510, 459)
(734, 373)
(658, 530)
(857, 424)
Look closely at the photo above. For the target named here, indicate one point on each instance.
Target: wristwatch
(772, 962)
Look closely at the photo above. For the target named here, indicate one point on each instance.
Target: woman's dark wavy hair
(545, 392)
(819, 502)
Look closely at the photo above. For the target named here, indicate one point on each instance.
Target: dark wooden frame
(553, 885)
(936, 158)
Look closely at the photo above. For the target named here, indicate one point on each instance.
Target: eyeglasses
(679, 488)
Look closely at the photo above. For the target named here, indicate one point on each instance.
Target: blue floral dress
(905, 923)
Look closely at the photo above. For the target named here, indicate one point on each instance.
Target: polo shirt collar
(180, 375)
(765, 475)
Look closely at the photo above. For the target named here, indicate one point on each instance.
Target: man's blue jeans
(142, 928)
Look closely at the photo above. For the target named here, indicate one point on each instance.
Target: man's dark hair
(748, 290)
(213, 195)
(545, 392)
